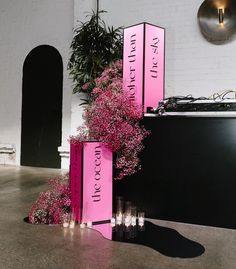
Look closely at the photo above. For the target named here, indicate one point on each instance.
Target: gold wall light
(217, 20)
(221, 15)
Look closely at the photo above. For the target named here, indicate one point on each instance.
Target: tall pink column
(91, 181)
(144, 64)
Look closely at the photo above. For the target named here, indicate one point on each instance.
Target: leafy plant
(94, 47)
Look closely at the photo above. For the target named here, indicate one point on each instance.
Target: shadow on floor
(167, 241)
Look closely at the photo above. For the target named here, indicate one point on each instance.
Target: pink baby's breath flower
(96, 90)
(114, 119)
(53, 203)
(85, 86)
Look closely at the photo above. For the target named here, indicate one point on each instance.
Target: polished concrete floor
(24, 245)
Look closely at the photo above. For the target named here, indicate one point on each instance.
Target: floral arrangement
(51, 205)
(111, 118)
(114, 119)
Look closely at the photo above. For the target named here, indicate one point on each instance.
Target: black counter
(188, 171)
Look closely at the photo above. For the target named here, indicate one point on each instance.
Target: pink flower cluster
(114, 119)
(83, 135)
(52, 204)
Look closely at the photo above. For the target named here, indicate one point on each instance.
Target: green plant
(94, 47)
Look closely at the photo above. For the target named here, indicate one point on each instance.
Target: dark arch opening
(41, 108)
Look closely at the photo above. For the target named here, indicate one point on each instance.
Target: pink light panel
(91, 181)
(143, 64)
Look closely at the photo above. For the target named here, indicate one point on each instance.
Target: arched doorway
(41, 108)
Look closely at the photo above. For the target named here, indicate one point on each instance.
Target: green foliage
(94, 47)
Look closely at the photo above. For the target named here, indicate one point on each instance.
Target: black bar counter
(188, 171)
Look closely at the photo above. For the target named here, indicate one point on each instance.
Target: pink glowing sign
(133, 62)
(76, 179)
(97, 184)
(143, 64)
(154, 65)
(92, 201)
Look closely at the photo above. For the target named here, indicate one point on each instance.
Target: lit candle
(72, 224)
(119, 218)
(127, 224)
(141, 218)
(66, 220)
(82, 225)
(66, 224)
(141, 227)
(89, 224)
(133, 215)
(141, 221)
(133, 221)
(127, 220)
(113, 220)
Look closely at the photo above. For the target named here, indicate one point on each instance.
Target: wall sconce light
(217, 20)
(221, 15)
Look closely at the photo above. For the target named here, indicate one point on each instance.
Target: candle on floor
(133, 221)
(127, 220)
(65, 224)
(89, 224)
(141, 218)
(133, 215)
(66, 219)
(72, 224)
(82, 225)
(119, 218)
(113, 220)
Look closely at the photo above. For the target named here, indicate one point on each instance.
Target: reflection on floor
(42, 246)
(167, 241)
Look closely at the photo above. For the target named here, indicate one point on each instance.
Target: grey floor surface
(41, 246)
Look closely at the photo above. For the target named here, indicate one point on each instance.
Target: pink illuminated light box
(91, 181)
(144, 64)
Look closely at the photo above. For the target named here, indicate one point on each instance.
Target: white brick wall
(81, 9)
(193, 65)
(24, 25)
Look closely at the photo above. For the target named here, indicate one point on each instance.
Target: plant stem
(97, 10)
